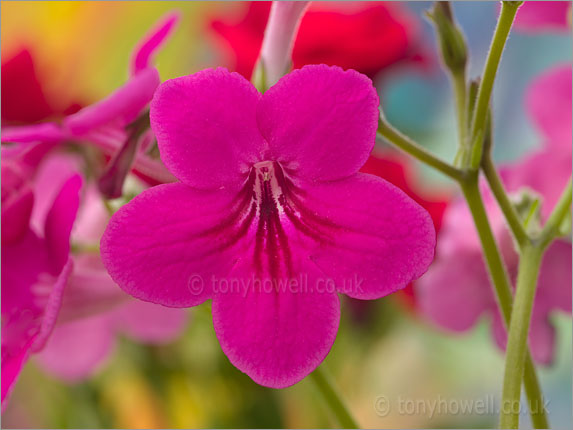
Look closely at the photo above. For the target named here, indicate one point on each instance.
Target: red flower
(365, 36)
(23, 97)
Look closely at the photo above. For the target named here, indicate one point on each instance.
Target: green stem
(529, 264)
(108, 207)
(498, 190)
(506, 17)
(534, 395)
(417, 151)
(326, 386)
(551, 228)
(500, 281)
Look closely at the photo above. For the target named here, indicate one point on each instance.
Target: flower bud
(451, 39)
(527, 205)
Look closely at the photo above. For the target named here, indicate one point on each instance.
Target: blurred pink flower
(79, 348)
(544, 16)
(94, 310)
(549, 105)
(105, 123)
(35, 260)
(64, 308)
(456, 291)
(269, 205)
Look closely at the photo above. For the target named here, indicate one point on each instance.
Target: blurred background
(80, 53)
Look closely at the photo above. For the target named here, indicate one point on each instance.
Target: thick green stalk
(529, 263)
(502, 287)
(326, 386)
(499, 277)
(506, 17)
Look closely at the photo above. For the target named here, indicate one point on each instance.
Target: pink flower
(63, 308)
(535, 16)
(94, 310)
(105, 123)
(270, 218)
(455, 293)
(35, 261)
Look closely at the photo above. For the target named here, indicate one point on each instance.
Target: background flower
(364, 36)
(455, 300)
(35, 260)
(544, 16)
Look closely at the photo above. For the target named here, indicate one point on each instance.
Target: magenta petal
(30, 155)
(123, 105)
(144, 52)
(30, 305)
(16, 216)
(52, 307)
(206, 128)
(23, 264)
(45, 132)
(320, 121)
(277, 336)
(76, 349)
(151, 323)
(49, 179)
(11, 368)
(17, 202)
(549, 104)
(164, 245)
(60, 220)
(376, 238)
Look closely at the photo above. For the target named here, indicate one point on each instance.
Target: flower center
(266, 219)
(272, 252)
(269, 185)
